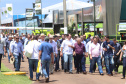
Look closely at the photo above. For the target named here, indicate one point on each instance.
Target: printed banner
(38, 6)
(38, 1)
(4, 12)
(29, 14)
(9, 8)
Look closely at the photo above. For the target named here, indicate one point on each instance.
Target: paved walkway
(66, 78)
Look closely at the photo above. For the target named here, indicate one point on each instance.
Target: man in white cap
(42, 38)
(55, 51)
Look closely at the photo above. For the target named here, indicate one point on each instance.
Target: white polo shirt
(36, 46)
(67, 49)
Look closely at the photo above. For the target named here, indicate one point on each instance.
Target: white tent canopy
(70, 5)
(9, 20)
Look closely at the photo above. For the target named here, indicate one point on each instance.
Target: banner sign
(37, 6)
(29, 14)
(88, 14)
(72, 19)
(61, 17)
(56, 16)
(4, 12)
(38, 1)
(9, 8)
(38, 12)
(99, 10)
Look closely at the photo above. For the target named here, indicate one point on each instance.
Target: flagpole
(0, 15)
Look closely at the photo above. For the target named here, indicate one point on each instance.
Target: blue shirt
(117, 47)
(16, 48)
(46, 49)
(88, 39)
(109, 50)
(8, 44)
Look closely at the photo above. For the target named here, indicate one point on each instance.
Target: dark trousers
(62, 62)
(116, 63)
(124, 66)
(80, 63)
(75, 61)
(57, 62)
(0, 60)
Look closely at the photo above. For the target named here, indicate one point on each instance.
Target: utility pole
(0, 16)
(94, 18)
(65, 17)
(41, 16)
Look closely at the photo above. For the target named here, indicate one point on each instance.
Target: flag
(4, 12)
(9, 8)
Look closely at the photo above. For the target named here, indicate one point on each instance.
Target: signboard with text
(29, 14)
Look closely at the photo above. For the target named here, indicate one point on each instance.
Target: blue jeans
(94, 67)
(57, 62)
(17, 62)
(22, 57)
(8, 55)
(66, 57)
(45, 67)
(33, 62)
(124, 66)
(98, 60)
(109, 63)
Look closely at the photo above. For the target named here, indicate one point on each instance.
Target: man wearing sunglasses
(16, 51)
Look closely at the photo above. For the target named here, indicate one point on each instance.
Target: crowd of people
(53, 49)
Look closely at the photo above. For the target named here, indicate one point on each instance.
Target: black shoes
(101, 74)
(70, 72)
(46, 80)
(84, 72)
(123, 78)
(77, 72)
(65, 70)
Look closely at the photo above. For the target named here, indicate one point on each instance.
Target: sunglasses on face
(17, 38)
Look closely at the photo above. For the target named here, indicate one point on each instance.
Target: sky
(19, 6)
